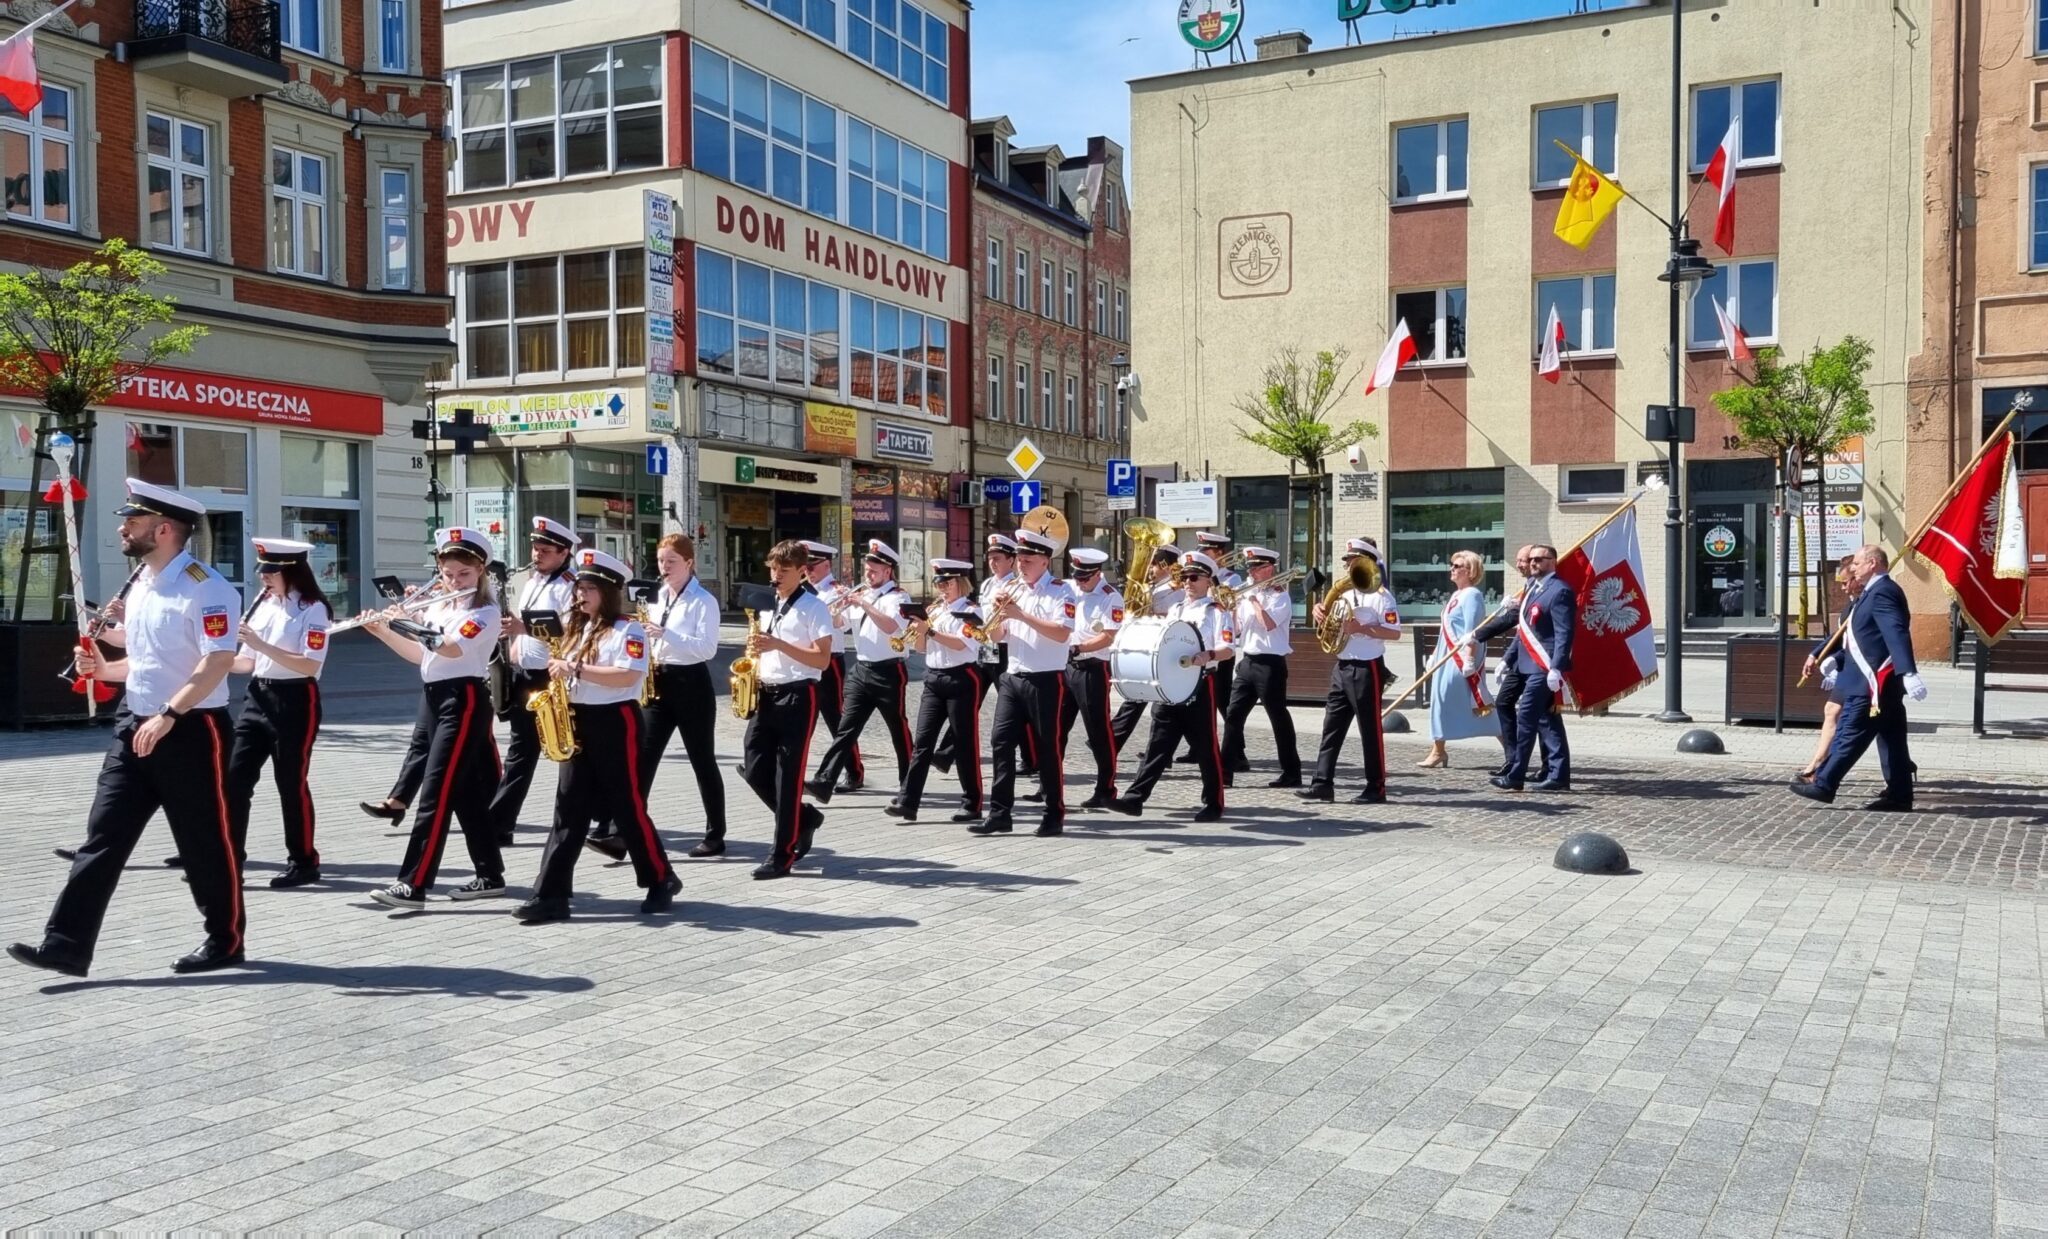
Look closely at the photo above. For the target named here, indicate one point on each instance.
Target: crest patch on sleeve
(635, 648)
(316, 639)
(469, 629)
(215, 621)
(1393, 617)
(1116, 615)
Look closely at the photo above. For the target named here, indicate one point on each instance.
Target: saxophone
(746, 674)
(650, 692)
(551, 717)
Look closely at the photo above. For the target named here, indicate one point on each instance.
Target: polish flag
(1552, 363)
(1721, 171)
(19, 84)
(1615, 650)
(1731, 335)
(1399, 352)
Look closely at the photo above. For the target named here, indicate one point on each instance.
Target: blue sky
(1058, 68)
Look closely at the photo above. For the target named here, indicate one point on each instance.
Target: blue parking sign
(1122, 480)
(1024, 496)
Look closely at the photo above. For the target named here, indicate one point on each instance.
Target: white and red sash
(1472, 669)
(1876, 679)
(1525, 629)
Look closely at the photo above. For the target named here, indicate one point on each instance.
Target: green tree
(1289, 416)
(72, 338)
(1802, 411)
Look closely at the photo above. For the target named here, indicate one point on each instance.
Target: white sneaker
(400, 895)
(479, 888)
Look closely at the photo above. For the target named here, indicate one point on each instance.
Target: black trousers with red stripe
(280, 719)
(951, 701)
(1087, 699)
(1262, 681)
(602, 782)
(1028, 708)
(832, 689)
(414, 765)
(685, 704)
(1355, 689)
(1195, 719)
(522, 755)
(875, 687)
(186, 777)
(777, 751)
(461, 772)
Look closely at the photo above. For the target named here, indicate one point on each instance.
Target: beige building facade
(1311, 198)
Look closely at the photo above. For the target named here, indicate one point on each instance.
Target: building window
(575, 114)
(995, 269)
(1045, 287)
(394, 36)
(298, 212)
(995, 388)
(1748, 290)
(1436, 322)
(298, 24)
(755, 131)
(2037, 254)
(1105, 424)
(1102, 307)
(1121, 333)
(180, 185)
(36, 159)
(1045, 400)
(896, 191)
(1585, 305)
(1112, 210)
(1023, 394)
(394, 216)
(904, 351)
(1755, 102)
(901, 41)
(1023, 298)
(1072, 408)
(820, 17)
(1598, 485)
(1587, 128)
(1069, 300)
(1429, 160)
(562, 316)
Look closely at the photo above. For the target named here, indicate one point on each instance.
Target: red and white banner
(1978, 542)
(1399, 352)
(1615, 650)
(20, 84)
(1551, 361)
(1731, 335)
(1721, 173)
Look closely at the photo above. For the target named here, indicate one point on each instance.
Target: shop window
(318, 468)
(1585, 307)
(1587, 128)
(574, 114)
(1433, 514)
(36, 159)
(1429, 161)
(210, 465)
(1603, 484)
(46, 573)
(332, 533)
(1436, 321)
(180, 171)
(1713, 109)
(1748, 290)
(298, 212)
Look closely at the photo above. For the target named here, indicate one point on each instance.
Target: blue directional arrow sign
(657, 459)
(1024, 496)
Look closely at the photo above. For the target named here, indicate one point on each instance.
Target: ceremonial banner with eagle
(1978, 541)
(1615, 651)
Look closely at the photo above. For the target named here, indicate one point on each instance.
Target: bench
(2020, 653)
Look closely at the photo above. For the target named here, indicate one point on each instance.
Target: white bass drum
(1148, 660)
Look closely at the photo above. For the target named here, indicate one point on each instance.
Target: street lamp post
(1120, 366)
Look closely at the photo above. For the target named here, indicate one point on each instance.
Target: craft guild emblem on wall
(1255, 255)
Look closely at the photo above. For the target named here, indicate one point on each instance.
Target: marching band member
(1164, 596)
(790, 653)
(285, 635)
(543, 586)
(462, 767)
(1458, 705)
(1873, 682)
(1195, 718)
(881, 676)
(1357, 683)
(832, 689)
(952, 690)
(170, 745)
(1544, 623)
(1098, 613)
(1000, 557)
(1217, 547)
(1263, 622)
(603, 659)
(681, 645)
(1039, 616)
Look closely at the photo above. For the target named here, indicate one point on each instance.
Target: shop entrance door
(746, 561)
(1731, 564)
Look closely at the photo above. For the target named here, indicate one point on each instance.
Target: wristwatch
(170, 713)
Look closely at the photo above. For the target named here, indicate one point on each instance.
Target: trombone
(1228, 598)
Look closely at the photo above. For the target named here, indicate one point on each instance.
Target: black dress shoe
(819, 790)
(1813, 792)
(1187, 759)
(1033, 797)
(1048, 829)
(850, 785)
(1129, 806)
(1551, 785)
(1885, 804)
(538, 911)
(1286, 780)
(1505, 783)
(174, 862)
(65, 853)
(43, 957)
(507, 838)
(384, 809)
(1498, 772)
(997, 824)
(1318, 791)
(1210, 814)
(210, 954)
(944, 762)
(1240, 766)
(896, 810)
(663, 897)
(1369, 796)
(296, 875)
(1097, 801)
(610, 846)
(967, 815)
(707, 848)
(806, 834)
(765, 872)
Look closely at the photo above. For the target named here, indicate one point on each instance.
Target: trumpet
(1006, 597)
(846, 597)
(902, 640)
(417, 603)
(1228, 598)
(650, 692)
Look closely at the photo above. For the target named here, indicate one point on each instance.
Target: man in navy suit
(1544, 623)
(1872, 676)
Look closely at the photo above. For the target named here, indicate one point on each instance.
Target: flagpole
(1610, 180)
(44, 19)
(1621, 509)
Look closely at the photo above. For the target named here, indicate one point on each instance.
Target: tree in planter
(71, 339)
(1803, 411)
(1288, 416)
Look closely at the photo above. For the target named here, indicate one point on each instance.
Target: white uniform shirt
(687, 625)
(1376, 607)
(1252, 636)
(1031, 650)
(1209, 619)
(801, 623)
(542, 593)
(175, 617)
(296, 628)
(828, 591)
(870, 643)
(623, 646)
(1096, 611)
(952, 619)
(467, 635)
(1165, 597)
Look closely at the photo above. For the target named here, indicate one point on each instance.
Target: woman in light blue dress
(1460, 703)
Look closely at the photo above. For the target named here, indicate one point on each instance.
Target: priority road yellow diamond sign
(1025, 458)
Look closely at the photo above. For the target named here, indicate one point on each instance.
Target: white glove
(1916, 688)
(1827, 682)
(1555, 680)
(1830, 668)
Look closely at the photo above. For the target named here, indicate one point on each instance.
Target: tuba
(1147, 535)
(1363, 577)
(746, 674)
(551, 718)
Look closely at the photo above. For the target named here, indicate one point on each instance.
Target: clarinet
(98, 623)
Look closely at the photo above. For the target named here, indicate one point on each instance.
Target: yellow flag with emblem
(1588, 201)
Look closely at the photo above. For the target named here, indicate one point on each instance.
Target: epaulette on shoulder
(194, 571)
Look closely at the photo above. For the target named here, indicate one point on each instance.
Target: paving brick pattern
(1400, 1021)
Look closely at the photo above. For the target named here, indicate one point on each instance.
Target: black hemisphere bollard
(1591, 852)
(1700, 741)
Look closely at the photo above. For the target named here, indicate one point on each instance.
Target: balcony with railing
(224, 47)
